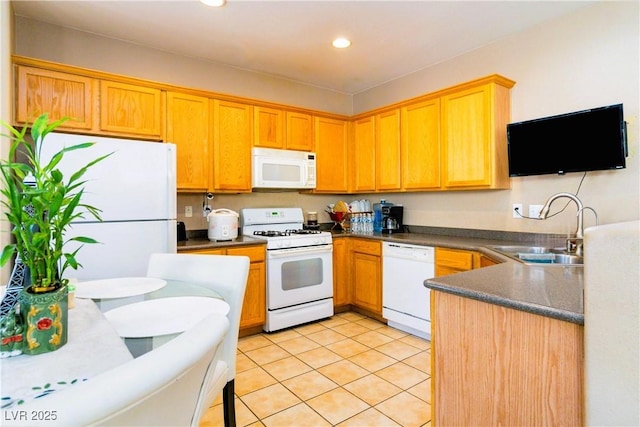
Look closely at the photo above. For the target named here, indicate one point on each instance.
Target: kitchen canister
(223, 225)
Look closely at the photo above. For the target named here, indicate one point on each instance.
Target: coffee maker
(392, 219)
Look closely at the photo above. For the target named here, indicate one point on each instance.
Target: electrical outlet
(188, 211)
(516, 209)
(206, 210)
(534, 211)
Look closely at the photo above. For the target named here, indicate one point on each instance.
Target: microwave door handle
(305, 171)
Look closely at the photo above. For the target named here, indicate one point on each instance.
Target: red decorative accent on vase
(44, 323)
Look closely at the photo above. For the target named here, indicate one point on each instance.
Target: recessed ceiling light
(214, 3)
(341, 43)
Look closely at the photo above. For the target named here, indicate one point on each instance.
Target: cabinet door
(331, 155)
(232, 130)
(58, 94)
(131, 110)
(341, 282)
(466, 134)
(366, 277)
(450, 261)
(255, 301)
(420, 145)
(188, 127)
(268, 127)
(299, 128)
(388, 150)
(363, 155)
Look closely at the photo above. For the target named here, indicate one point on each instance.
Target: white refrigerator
(135, 188)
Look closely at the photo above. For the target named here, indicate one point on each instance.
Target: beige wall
(6, 94)
(585, 59)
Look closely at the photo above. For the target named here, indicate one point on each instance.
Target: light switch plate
(534, 211)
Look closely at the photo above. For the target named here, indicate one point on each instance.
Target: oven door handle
(306, 250)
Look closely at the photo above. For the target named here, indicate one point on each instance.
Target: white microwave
(272, 168)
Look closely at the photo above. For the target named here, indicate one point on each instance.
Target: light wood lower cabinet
(366, 274)
(341, 268)
(450, 261)
(493, 365)
(254, 307)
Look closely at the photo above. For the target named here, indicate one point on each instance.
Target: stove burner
(273, 233)
(303, 231)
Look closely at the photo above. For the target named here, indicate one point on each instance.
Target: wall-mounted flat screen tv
(581, 141)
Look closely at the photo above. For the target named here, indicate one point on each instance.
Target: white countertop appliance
(299, 266)
(223, 225)
(405, 300)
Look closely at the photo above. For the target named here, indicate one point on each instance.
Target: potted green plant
(41, 204)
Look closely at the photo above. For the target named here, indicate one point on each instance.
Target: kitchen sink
(537, 255)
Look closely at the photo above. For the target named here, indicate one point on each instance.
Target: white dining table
(93, 347)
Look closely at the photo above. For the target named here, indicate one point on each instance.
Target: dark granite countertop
(553, 291)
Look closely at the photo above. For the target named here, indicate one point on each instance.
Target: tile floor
(349, 370)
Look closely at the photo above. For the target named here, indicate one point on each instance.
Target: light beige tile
(370, 417)
(243, 363)
(299, 415)
(252, 380)
(309, 385)
(372, 389)
(333, 322)
(406, 409)
(392, 332)
(253, 342)
(298, 345)
(370, 323)
(268, 354)
(417, 342)
(319, 357)
(214, 416)
(351, 316)
(372, 360)
(398, 350)
(404, 376)
(420, 361)
(350, 329)
(326, 336)
(283, 335)
(347, 348)
(372, 339)
(309, 328)
(337, 405)
(343, 372)
(422, 390)
(286, 368)
(270, 400)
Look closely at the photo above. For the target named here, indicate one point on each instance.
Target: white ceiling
(292, 39)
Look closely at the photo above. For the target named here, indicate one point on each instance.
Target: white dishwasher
(405, 300)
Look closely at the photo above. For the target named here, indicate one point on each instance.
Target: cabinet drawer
(255, 253)
(366, 246)
(459, 260)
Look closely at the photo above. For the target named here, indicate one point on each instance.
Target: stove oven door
(299, 275)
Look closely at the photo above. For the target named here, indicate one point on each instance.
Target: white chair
(227, 275)
(164, 387)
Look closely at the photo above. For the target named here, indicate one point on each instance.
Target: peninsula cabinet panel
(474, 138)
(268, 127)
(331, 155)
(387, 128)
(420, 145)
(299, 131)
(363, 156)
(494, 365)
(188, 122)
(232, 131)
(59, 94)
(131, 110)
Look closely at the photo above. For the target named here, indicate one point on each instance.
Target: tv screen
(581, 141)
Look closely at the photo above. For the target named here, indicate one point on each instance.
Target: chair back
(163, 387)
(225, 274)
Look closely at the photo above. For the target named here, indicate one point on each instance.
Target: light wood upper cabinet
(420, 145)
(299, 131)
(331, 155)
(59, 94)
(132, 110)
(387, 129)
(268, 127)
(474, 145)
(232, 131)
(363, 155)
(188, 123)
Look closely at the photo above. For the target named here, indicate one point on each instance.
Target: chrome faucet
(574, 245)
